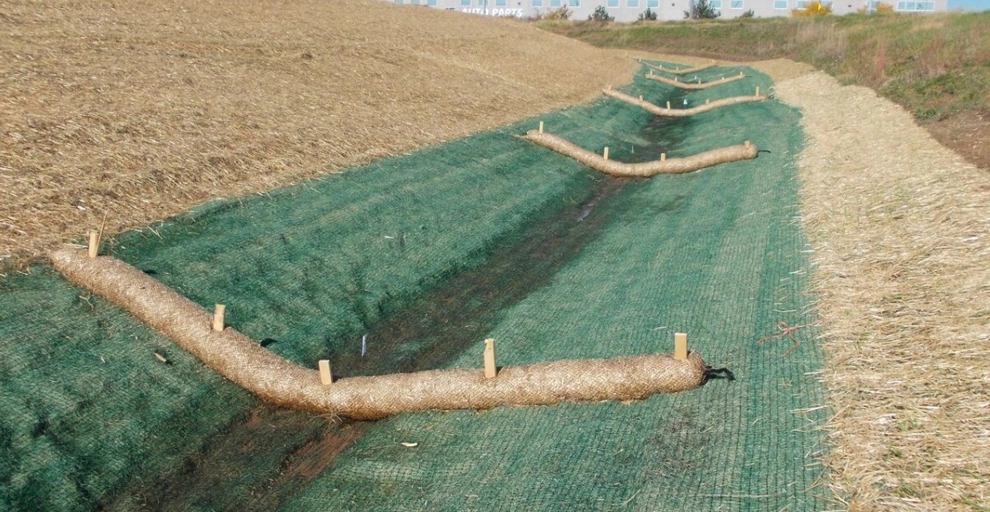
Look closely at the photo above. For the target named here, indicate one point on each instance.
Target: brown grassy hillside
(144, 108)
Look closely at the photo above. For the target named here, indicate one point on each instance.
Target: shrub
(813, 9)
(702, 10)
(647, 15)
(563, 13)
(882, 8)
(748, 14)
(600, 14)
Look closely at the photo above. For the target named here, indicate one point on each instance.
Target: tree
(600, 14)
(647, 15)
(702, 10)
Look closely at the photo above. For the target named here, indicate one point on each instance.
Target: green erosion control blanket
(409, 264)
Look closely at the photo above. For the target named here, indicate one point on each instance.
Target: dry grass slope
(899, 226)
(143, 108)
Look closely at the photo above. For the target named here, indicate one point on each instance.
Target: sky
(969, 5)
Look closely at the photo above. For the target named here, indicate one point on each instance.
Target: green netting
(716, 254)
(427, 254)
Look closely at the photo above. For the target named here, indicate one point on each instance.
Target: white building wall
(667, 10)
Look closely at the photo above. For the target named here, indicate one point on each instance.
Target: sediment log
(684, 112)
(645, 169)
(692, 85)
(683, 71)
(283, 383)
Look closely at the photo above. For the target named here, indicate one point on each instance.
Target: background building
(669, 10)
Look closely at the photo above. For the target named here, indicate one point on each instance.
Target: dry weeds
(145, 108)
(901, 233)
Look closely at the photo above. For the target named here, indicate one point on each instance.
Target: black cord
(718, 373)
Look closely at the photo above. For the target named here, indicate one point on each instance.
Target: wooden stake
(325, 376)
(707, 101)
(680, 346)
(668, 105)
(605, 153)
(94, 247)
(663, 157)
(218, 317)
(490, 369)
(640, 97)
(541, 126)
(746, 143)
(757, 90)
(94, 244)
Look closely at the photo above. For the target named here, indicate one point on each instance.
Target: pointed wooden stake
(325, 376)
(605, 153)
(218, 317)
(757, 90)
(541, 126)
(663, 157)
(94, 244)
(680, 346)
(668, 105)
(490, 369)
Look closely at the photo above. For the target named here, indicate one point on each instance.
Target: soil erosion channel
(271, 454)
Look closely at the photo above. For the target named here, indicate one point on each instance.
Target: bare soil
(966, 134)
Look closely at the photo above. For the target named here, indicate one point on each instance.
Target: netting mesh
(717, 254)
(561, 263)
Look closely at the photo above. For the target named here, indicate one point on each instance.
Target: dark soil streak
(436, 329)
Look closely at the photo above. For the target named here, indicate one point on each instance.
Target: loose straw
(689, 85)
(660, 111)
(646, 169)
(276, 380)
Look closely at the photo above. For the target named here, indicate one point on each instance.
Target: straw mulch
(599, 163)
(901, 235)
(682, 112)
(145, 108)
(698, 85)
(282, 383)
